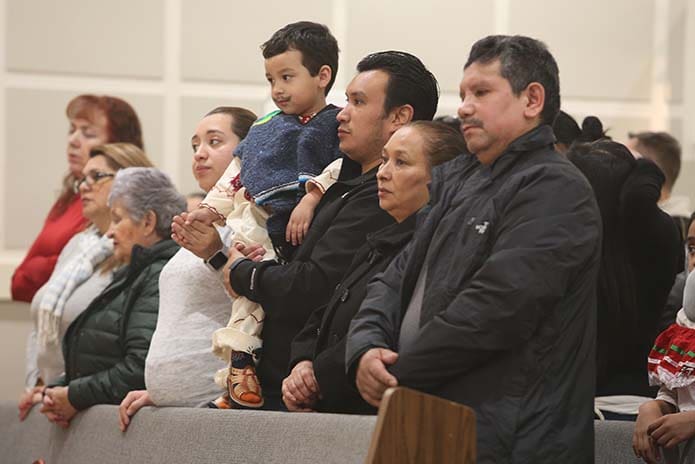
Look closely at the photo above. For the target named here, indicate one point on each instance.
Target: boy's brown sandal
(244, 388)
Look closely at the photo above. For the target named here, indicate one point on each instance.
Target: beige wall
(15, 326)
(625, 61)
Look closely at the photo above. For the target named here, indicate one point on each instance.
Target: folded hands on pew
(56, 406)
(29, 399)
(300, 389)
(372, 378)
(131, 404)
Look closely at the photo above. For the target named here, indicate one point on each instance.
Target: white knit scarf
(92, 249)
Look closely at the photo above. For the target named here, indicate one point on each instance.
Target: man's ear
(325, 73)
(535, 100)
(402, 115)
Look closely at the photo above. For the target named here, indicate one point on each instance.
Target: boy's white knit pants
(248, 221)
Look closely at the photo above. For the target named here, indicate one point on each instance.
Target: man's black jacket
(348, 211)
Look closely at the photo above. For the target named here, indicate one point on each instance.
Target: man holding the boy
(390, 90)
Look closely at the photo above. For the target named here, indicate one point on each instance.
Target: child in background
(261, 194)
(670, 418)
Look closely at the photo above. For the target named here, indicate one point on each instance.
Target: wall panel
(221, 38)
(604, 49)
(51, 51)
(91, 37)
(676, 48)
(439, 32)
(36, 129)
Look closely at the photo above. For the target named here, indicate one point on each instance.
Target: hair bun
(592, 129)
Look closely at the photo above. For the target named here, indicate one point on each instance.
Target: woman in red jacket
(94, 120)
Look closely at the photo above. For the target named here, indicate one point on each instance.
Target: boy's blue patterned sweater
(279, 154)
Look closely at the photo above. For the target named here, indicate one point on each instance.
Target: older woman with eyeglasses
(105, 347)
(84, 268)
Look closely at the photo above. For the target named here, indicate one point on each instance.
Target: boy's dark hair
(314, 41)
(410, 82)
(664, 150)
(523, 60)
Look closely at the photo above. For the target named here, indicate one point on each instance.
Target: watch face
(218, 260)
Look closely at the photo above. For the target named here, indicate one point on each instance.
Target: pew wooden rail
(414, 428)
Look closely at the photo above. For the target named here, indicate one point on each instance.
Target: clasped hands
(659, 425)
(195, 232)
(56, 406)
(300, 390)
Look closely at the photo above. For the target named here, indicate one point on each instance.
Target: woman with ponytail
(638, 260)
(567, 131)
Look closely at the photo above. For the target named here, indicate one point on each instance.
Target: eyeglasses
(92, 178)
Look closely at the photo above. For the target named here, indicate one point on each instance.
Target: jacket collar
(349, 169)
(394, 235)
(141, 256)
(539, 137)
(360, 178)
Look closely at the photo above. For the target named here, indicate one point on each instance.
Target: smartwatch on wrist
(216, 261)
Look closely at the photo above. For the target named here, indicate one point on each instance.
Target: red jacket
(39, 262)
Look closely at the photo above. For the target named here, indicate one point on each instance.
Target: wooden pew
(414, 427)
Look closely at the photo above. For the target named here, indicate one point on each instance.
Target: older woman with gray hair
(106, 346)
(84, 269)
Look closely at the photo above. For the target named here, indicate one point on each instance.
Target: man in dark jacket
(493, 302)
(390, 90)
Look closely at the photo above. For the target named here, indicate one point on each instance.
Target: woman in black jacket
(638, 262)
(105, 347)
(317, 380)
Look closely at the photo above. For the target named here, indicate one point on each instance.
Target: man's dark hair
(664, 150)
(523, 60)
(314, 41)
(410, 82)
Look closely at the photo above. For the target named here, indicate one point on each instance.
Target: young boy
(285, 153)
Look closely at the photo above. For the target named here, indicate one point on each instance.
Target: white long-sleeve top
(180, 366)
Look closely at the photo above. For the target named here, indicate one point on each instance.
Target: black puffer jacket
(508, 322)
(106, 346)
